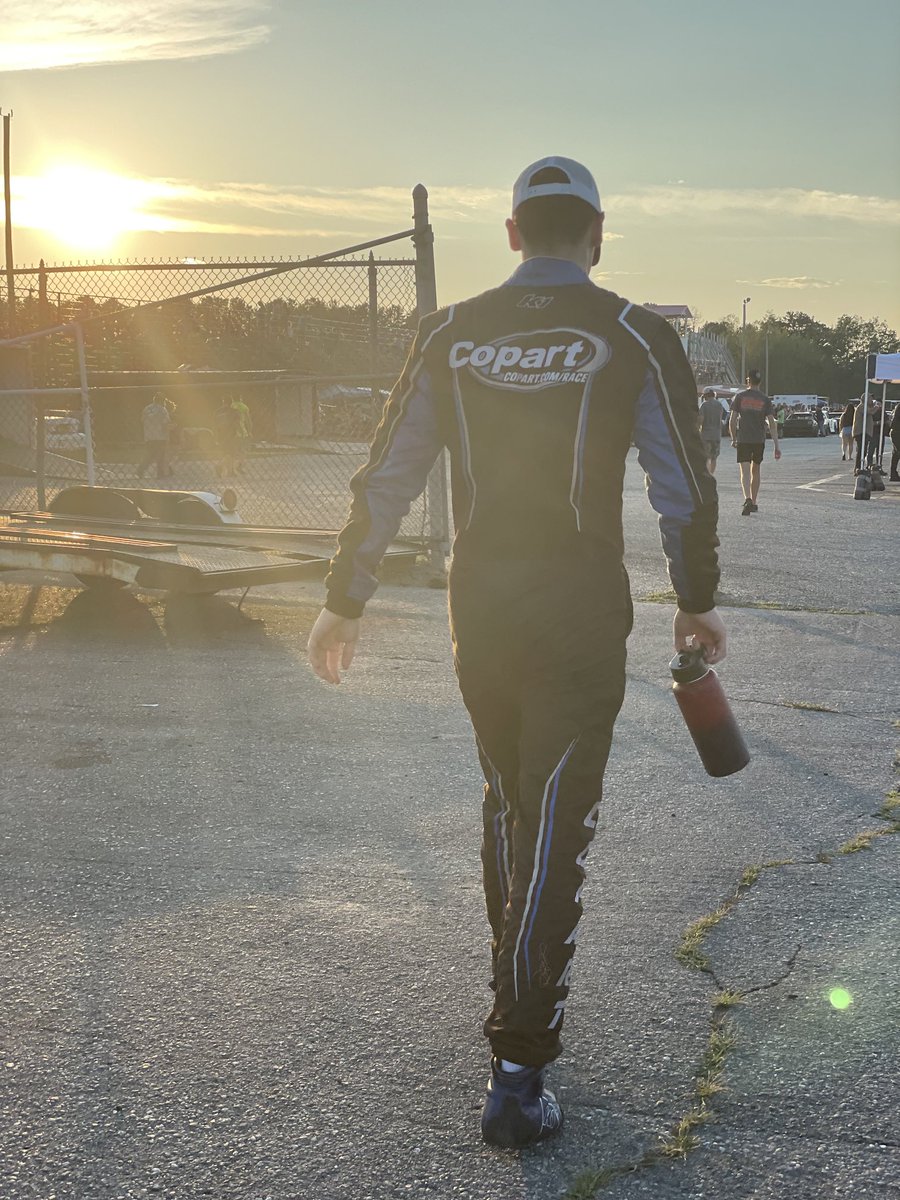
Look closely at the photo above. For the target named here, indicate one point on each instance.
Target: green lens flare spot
(840, 998)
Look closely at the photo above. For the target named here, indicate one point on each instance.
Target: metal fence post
(85, 407)
(7, 207)
(373, 323)
(40, 463)
(426, 302)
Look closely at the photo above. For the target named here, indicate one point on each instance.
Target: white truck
(810, 403)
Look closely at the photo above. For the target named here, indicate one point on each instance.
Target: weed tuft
(682, 1138)
(588, 1183)
(891, 807)
(662, 597)
(808, 706)
(862, 841)
(707, 1088)
(727, 999)
(689, 952)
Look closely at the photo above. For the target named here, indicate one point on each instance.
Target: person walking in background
(820, 421)
(876, 442)
(244, 431)
(711, 428)
(781, 417)
(157, 425)
(847, 432)
(895, 441)
(537, 388)
(751, 414)
(228, 421)
(174, 429)
(862, 432)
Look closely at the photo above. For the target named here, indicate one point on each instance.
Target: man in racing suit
(538, 389)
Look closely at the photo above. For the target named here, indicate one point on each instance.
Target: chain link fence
(267, 376)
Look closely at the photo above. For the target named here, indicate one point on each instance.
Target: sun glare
(85, 208)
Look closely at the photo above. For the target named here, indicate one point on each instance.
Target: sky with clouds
(741, 150)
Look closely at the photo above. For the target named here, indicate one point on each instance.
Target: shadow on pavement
(116, 616)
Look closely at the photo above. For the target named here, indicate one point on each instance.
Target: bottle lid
(689, 665)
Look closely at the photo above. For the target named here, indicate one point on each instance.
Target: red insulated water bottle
(707, 714)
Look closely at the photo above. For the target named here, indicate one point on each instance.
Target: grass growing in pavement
(689, 952)
(667, 596)
(808, 706)
(727, 999)
(690, 948)
(707, 1081)
(683, 1137)
(890, 810)
(589, 1183)
(864, 840)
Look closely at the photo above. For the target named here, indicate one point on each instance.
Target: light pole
(744, 341)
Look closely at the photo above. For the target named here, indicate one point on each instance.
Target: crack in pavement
(682, 1138)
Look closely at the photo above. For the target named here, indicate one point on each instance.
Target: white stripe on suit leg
(537, 864)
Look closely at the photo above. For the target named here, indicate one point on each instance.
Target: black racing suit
(538, 389)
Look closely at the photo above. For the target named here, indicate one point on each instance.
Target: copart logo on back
(537, 359)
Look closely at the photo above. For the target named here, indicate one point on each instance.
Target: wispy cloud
(783, 202)
(799, 282)
(258, 210)
(365, 204)
(43, 34)
(479, 204)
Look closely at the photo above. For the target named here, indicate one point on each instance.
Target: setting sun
(84, 207)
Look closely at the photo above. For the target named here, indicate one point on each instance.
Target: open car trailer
(190, 542)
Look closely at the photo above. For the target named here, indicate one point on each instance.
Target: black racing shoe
(754, 507)
(747, 509)
(519, 1111)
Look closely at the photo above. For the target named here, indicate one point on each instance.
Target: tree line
(808, 357)
(311, 336)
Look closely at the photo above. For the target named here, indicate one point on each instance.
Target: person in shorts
(847, 431)
(711, 428)
(752, 412)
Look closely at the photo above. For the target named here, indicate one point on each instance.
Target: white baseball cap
(579, 182)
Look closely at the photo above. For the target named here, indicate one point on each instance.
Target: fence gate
(271, 375)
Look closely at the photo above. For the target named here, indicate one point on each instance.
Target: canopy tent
(883, 369)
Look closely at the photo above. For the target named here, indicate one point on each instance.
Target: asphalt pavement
(243, 947)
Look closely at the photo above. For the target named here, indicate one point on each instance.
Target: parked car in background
(801, 424)
(62, 431)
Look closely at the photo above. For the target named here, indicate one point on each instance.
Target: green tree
(806, 356)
